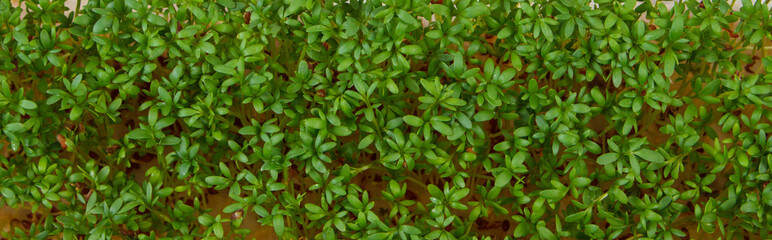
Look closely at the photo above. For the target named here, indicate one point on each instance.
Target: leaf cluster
(386, 119)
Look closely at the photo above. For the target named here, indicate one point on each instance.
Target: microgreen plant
(386, 119)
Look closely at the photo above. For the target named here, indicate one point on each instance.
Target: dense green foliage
(616, 119)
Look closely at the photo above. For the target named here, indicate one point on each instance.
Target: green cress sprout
(385, 119)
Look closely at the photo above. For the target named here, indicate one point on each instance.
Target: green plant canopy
(385, 119)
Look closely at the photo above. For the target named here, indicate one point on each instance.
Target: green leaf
(101, 25)
(434, 191)
(81, 20)
(757, 36)
(442, 128)
(187, 112)
(502, 178)
(650, 156)
(315, 123)
(252, 50)
(455, 102)
(458, 195)
(598, 97)
(206, 220)
(676, 28)
(440, 9)
(576, 217)
(157, 20)
(475, 11)
(7, 193)
(568, 139)
(580, 108)
(354, 201)
(411, 230)
(611, 19)
(347, 47)
(521, 230)
(278, 224)
(407, 18)
(505, 33)
(54, 60)
(670, 62)
(188, 31)
(378, 236)
(411, 50)
(654, 35)
(75, 112)
(502, 146)
(207, 48)
(547, 31)
(140, 134)
(545, 233)
(652, 216)
(413, 120)
(303, 69)
(366, 141)
(580, 182)
(229, 70)
(381, 57)
(216, 180)
(552, 194)
(607, 158)
(218, 231)
(568, 28)
(483, 116)
(295, 6)
(27, 104)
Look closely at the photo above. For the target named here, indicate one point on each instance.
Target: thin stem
(482, 176)
(732, 5)
(77, 8)
(414, 180)
(764, 49)
(162, 215)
